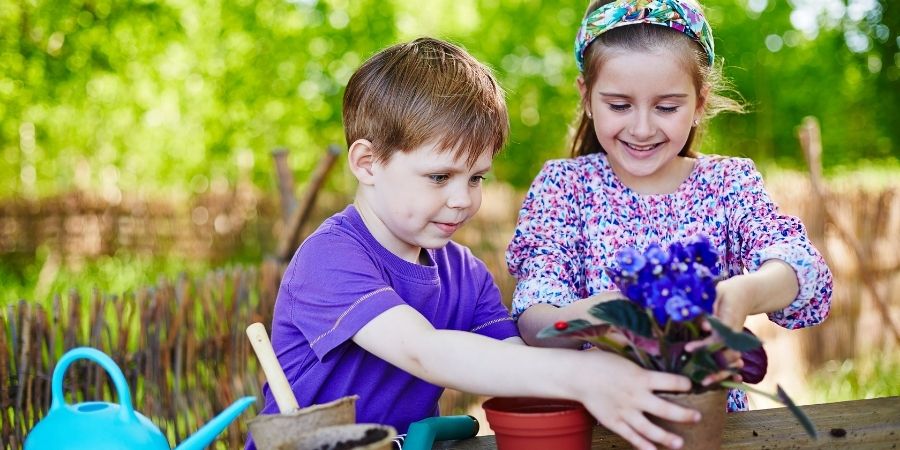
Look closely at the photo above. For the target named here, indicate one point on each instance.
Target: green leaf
(798, 413)
(624, 314)
(701, 365)
(739, 341)
(577, 329)
(781, 397)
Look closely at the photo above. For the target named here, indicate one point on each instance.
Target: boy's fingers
(654, 433)
(671, 411)
(660, 381)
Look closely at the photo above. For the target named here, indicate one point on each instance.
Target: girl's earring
(590, 116)
(696, 122)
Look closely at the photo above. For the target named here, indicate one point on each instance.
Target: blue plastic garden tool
(422, 434)
(110, 426)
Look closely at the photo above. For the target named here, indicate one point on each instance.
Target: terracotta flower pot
(539, 424)
(703, 435)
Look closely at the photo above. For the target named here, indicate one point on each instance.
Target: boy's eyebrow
(613, 94)
(454, 169)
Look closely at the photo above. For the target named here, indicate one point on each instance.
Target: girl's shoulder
(592, 161)
(725, 167)
(579, 169)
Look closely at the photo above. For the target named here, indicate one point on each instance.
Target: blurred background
(136, 141)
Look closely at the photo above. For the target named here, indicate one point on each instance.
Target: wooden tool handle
(278, 383)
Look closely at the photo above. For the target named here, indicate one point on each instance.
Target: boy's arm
(515, 340)
(612, 389)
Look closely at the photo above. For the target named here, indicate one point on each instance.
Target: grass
(874, 375)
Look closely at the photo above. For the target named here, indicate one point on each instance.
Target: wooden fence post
(285, 184)
(291, 238)
(811, 143)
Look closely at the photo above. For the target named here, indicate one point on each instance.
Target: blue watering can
(110, 426)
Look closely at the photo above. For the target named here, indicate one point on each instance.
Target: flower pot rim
(706, 392)
(513, 405)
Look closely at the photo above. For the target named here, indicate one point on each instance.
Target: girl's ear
(582, 89)
(361, 157)
(701, 103)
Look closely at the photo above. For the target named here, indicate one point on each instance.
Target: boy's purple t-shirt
(340, 279)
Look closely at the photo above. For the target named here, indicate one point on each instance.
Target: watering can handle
(278, 383)
(59, 400)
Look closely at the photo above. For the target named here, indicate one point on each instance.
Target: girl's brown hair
(651, 38)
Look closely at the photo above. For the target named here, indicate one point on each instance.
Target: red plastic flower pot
(539, 424)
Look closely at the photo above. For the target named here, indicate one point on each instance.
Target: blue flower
(677, 283)
(657, 259)
(633, 292)
(630, 261)
(679, 255)
(702, 252)
(680, 309)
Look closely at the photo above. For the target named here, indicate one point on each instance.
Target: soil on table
(371, 436)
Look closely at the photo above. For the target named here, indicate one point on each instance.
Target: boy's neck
(383, 235)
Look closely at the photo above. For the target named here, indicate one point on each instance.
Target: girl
(648, 81)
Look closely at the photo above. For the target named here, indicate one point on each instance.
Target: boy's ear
(361, 157)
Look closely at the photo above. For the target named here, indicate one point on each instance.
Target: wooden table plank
(869, 424)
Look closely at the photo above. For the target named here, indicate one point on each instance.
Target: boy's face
(420, 198)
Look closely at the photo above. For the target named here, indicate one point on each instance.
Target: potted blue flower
(668, 294)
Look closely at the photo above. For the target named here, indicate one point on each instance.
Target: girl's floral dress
(578, 214)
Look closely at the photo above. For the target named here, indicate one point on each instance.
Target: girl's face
(418, 199)
(643, 106)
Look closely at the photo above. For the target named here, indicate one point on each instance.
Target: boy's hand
(625, 393)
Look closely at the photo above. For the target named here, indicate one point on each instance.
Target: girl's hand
(735, 299)
(621, 398)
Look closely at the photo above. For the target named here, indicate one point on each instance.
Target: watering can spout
(206, 434)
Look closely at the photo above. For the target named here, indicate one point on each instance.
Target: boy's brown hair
(425, 91)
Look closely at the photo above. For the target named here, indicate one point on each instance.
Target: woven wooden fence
(81, 225)
(181, 346)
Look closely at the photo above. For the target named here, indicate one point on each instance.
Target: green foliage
(624, 314)
(742, 342)
(150, 95)
(868, 376)
(42, 278)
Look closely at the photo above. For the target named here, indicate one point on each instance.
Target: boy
(379, 302)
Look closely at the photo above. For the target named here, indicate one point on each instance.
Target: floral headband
(676, 14)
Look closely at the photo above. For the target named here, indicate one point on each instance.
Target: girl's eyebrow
(613, 94)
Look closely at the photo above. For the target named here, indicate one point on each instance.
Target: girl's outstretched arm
(545, 253)
(758, 233)
(541, 315)
(771, 288)
(613, 389)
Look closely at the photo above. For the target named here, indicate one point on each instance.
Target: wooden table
(867, 424)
